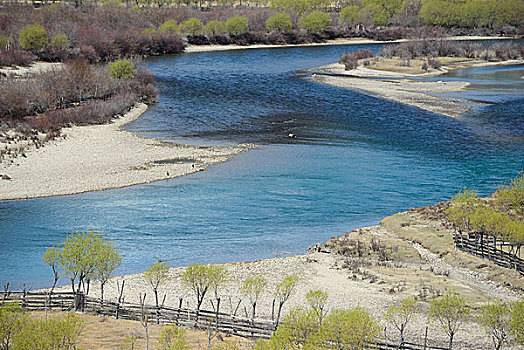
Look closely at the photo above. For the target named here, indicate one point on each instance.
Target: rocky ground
(408, 254)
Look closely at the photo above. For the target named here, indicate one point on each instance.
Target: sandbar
(100, 157)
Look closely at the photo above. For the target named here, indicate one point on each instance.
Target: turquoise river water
(356, 159)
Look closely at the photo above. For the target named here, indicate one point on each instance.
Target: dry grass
(105, 333)
(433, 236)
(398, 65)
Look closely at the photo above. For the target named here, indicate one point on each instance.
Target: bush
(4, 41)
(237, 25)
(33, 38)
(122, 69)
(192, 27)
(169, 26)
(149, 31)
(280, 22)
(316, 22)
(60, 42)
(350, 59)
(215, 28)
(434, 63)
(349, 14)
(15, 57)
(172, 338)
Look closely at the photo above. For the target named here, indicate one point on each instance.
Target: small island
(397, 72)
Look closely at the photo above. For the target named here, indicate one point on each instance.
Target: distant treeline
(103, 31)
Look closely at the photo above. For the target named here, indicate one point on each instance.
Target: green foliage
(382, 10)
(517, 321)
(4, 42)
(511, 198)
(115, 3)
(12, 320)
(349, 14)
(280, 22)
(400, 315)
(83, 256)
(449, 311)
(286, 287)
(121, 69)
(215, 27)
(173, 338)
(503, 217)
(227, 345)
(316, 22)
(60, 333)
(169, 26)
(192, 27)
(33, 38)
(494, 319)
(201, 278)
(472, 13)
(52, 258)
(149, 31)
(298, 328)
(349, 329)
(295, 8)
(237, 25)
(60, 41)
(316, 299)
(253, 287)
(157, 274)
(130, 342)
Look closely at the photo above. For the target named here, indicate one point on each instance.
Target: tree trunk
(254, 308)
(451, 341)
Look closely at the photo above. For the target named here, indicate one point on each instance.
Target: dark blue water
(356, 159)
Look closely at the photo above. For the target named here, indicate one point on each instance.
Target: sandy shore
(411, 270)
(100, 157)
(397, 86)
(341, 41)
(413, 93)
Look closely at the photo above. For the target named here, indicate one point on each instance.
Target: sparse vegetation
(199, 279)
(449, 311)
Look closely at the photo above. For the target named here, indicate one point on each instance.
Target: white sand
(340, 41)
(413, 93)
(33, 68)
(100, 157)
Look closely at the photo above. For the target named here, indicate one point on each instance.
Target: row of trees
(500, 216)
(83, 257)
(204, 279)
(312, 327)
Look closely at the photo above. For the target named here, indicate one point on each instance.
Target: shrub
(237, 25)
(280, 22)
(434, 63)
(316, 22)
(149, 31)
(122, 69)
(4, 41)
(349, 14)
(15, 57)
(33, 38)
(172, 338)
(60, 42)
(169, 26)
(348, 60)
(192, 26)
(215, 28)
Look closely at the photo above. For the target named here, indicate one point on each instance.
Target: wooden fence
(202, 319)
(490, 249)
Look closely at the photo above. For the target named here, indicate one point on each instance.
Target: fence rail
(487, 249)
(187, 318)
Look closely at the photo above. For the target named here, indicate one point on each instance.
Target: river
(356, 159)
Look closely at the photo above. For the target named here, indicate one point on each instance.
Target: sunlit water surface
(356, 159)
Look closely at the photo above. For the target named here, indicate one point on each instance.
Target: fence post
(426, 339)
(79, 301)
